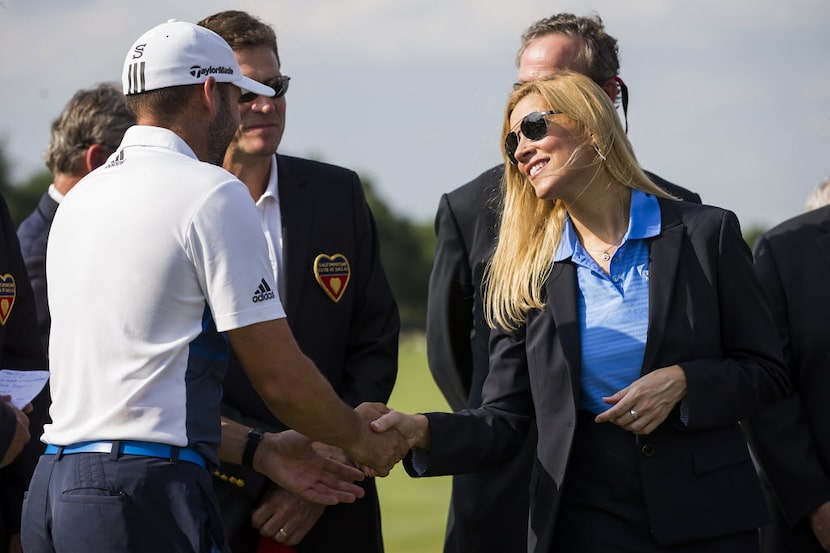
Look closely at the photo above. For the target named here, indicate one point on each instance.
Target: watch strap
(255, 436)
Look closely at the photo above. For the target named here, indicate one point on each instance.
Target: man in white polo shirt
(145, 255)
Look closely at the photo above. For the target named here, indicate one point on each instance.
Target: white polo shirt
(141, 253)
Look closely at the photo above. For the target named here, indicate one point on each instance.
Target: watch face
(256, 433)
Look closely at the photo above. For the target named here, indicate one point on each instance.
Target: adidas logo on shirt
(263, 293)
(117, 160)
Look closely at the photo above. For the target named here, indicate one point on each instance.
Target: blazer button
(648, 450)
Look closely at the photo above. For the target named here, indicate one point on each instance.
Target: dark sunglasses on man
(279, 84)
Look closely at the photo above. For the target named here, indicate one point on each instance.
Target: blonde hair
(531, 227)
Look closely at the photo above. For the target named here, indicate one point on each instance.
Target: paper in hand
(22, 386)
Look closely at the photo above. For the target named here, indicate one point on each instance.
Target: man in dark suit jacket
(457, 334)
(792, 439)
(20, 349)
(338, 303)
(732, 365)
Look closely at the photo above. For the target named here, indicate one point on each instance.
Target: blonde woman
(631, 327)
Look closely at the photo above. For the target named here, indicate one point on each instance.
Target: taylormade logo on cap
(197, 71)
(178, 53)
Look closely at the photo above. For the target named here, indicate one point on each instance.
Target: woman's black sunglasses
(279, 84)
(533, 126)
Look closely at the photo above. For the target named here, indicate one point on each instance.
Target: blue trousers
(107, 503)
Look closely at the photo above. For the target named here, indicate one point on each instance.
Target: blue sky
(730, 99)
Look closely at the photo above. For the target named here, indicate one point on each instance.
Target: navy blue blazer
(33, 233)
(707, 313)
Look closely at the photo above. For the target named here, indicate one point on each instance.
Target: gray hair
(96, 115)
(819, 196)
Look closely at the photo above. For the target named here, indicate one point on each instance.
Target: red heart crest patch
(8, 292)
(332, 273)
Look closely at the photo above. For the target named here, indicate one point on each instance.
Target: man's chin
(255, 147)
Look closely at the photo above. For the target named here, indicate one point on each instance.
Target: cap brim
(250, 85)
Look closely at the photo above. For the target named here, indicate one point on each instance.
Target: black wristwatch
(255, 436)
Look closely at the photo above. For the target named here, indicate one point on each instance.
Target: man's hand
(21, 431)
(285, 517)
(820, 522)
(376, 452)
(332, 452)
(290, 461)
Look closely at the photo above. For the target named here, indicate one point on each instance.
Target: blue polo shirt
(613, 308)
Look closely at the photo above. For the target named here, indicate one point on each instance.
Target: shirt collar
(273, 189)
(145, 135)
(643, 222)
(54, 193)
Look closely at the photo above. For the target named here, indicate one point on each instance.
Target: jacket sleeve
(489, 436)
(748, 372)
(8, 425)
(450, 310)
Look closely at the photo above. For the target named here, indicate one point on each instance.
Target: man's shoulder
(484, 183)
(38, 221)
(815, 221)
(303, 167)
(480, 191)
(675, 190)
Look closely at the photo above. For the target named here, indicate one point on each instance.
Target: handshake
(326, 474)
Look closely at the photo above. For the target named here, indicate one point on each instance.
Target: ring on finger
(634, 414)
(282, 533)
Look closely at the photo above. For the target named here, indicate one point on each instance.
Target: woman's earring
(596, 148)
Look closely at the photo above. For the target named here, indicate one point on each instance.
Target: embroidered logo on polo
(8, 293)
(332, 274)
(117, 160)
(263, 292)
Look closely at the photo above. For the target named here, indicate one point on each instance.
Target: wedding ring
(282, 533)
(634, 414)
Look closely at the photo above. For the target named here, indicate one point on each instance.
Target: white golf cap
(180, 53)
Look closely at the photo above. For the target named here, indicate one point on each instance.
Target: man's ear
(209, 96)
(611, 88)
(95, 156)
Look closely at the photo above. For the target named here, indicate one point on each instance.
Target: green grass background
(414, 511)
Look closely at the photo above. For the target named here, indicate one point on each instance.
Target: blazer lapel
(664, 258)
(297, 212)
(561, 288)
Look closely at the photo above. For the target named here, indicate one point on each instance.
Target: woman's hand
(414, 428)
(643, 405)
